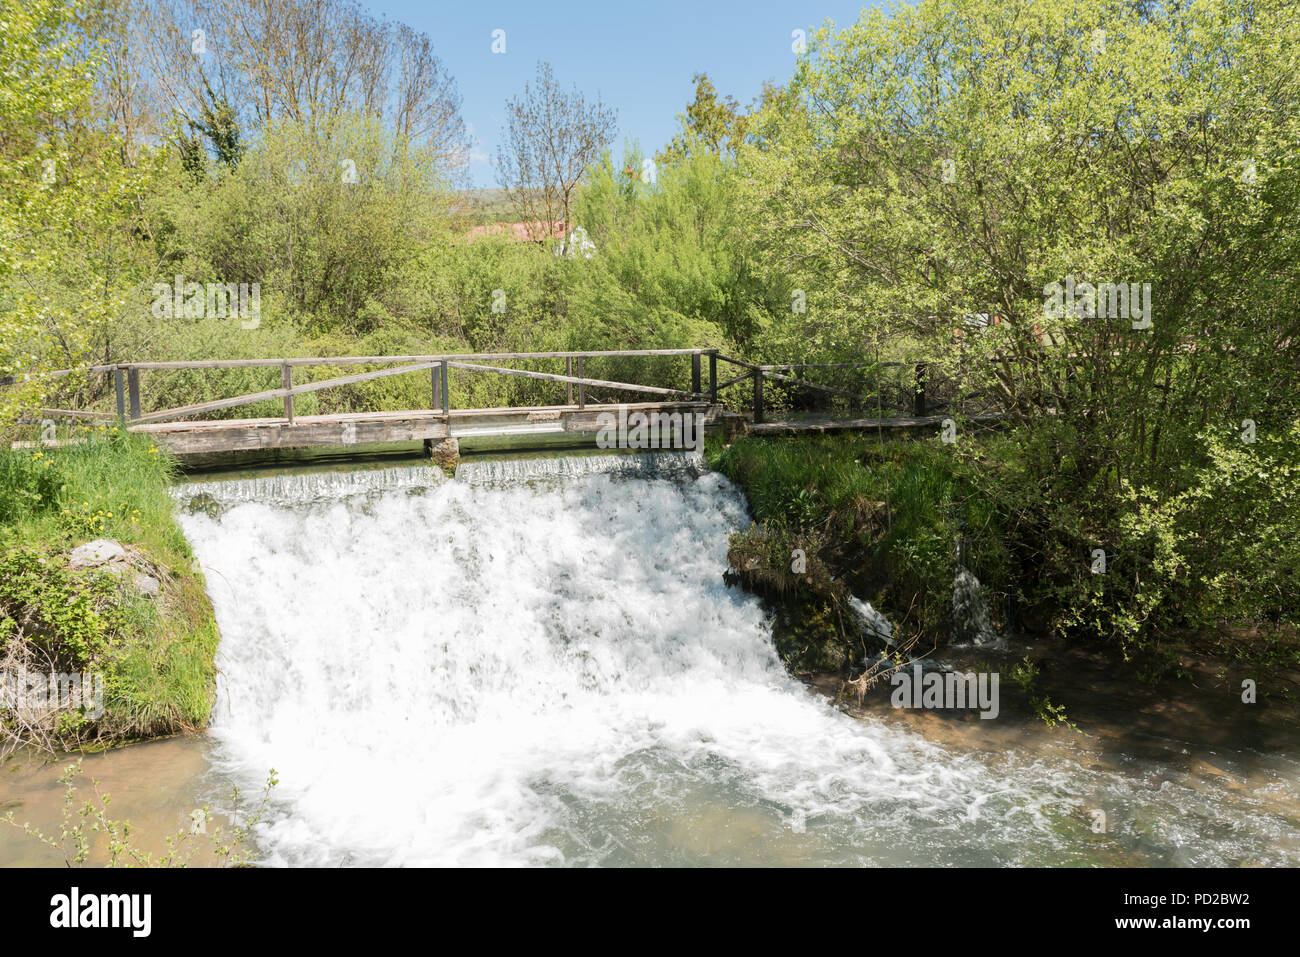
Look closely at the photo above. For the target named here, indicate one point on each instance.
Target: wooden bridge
(183, 431)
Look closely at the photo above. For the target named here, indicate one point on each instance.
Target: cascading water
(540, 663)
(970, 613)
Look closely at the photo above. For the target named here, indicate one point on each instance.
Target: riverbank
(892, 523)
(100, 589)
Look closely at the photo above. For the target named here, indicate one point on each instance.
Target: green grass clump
(156, 654)
(886, 517)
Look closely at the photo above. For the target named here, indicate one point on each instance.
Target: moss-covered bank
(883, 520)
(142, 625)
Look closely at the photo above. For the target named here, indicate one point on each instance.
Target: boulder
(96, 553)
(147, 585)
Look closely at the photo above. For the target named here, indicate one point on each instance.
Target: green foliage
(322, 216)
(889, 516)
(71, 619)
(156, 655)
(67, 201)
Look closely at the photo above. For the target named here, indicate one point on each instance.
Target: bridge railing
(126, 379)
(921, 389)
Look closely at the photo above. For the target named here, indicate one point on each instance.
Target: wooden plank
(582, 388)
(737, 362)
(389, 360)
(286, 383)
(568, 370)
(731, 382)
(551, 377)
(281, 435)
(813, 385)
(133, 388)
(251, 398)
(457, 416)
(119, 392)
(69, 413)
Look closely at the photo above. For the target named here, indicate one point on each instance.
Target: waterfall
(871, 622)
(494, 669)
(306, 487)
(651, 464)
(970, 613)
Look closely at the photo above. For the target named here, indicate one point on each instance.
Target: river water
(539, 663)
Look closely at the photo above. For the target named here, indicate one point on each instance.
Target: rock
(446, 454)
(147, 585)
(96, 553)
(871, 622)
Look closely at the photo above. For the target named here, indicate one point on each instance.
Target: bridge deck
(360, 428)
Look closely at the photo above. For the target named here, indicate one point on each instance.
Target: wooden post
(582, 387)
(713, 376)
(435, 379)
(695, 372)
(758, 396)
(568, 370)
(446, 392)
(918, 399)
(286, 382)
(133, 389)
(120, 388)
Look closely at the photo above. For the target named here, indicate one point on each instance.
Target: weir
(534, 661)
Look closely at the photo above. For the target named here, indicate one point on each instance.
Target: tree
(67, 204)
(709, 122)
(550, 140)
(963, 158)
(305, 61)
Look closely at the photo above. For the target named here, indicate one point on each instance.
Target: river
(538, 663)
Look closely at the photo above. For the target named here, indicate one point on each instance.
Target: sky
(638, 56)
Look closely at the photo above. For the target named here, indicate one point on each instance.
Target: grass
(156, 654)
(890, 513)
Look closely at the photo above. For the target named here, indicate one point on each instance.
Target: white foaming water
(522, 668)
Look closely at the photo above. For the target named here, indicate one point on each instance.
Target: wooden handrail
(604, 383)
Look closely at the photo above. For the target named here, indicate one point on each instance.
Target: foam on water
(514, 671)
(305, 488)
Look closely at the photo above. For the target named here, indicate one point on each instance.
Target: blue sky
(638, 55)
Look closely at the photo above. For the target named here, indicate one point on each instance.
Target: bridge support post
(695, 372)
(445, 392)
(713, 376)
(435, 381)
(119, 387)
(758, 396)
(918, 399)
(445, 454)
(286, 382)
(582, 387)
(133, 391)
(568, 370)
